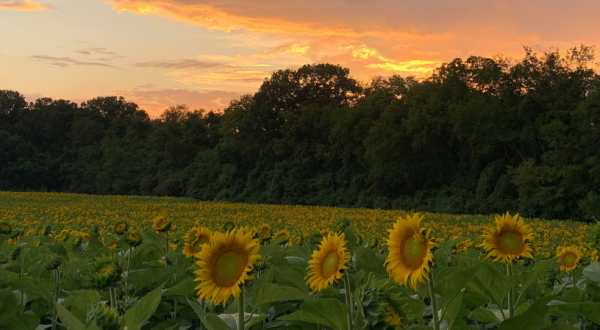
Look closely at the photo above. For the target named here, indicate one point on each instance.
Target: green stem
(511, 309)
(128, 270)
(167, 249)
(241, 314)
(436, 322)
(347, 290)
(56, 292)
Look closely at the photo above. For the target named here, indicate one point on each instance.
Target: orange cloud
(220, 77)
(24, 5)
(228, 16)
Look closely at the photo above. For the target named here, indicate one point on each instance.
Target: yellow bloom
(509, 239)
(568, 257)
(409, 251)
(264, 232)
(195, 238)
(161, 224)
(328, 262)
(392, 315)
(224, 264)
(282, 233)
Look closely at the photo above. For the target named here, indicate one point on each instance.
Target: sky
(161, 53)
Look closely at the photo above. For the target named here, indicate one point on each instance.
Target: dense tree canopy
(479, 135)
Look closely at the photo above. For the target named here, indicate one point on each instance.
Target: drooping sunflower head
(373, 242)
(328, 262)
(105, 273)
(201, 237)
(228, 226)
(282, 233)
(410, 253)
(509, 239)
(224, 264)
(264, 232)
(52, 261)
(315, 237)
(161, 224)
(133, 239)
(296, 239)
(5, 228)
(121, 228)
(392, 314)
(340, 225)
(568, 257)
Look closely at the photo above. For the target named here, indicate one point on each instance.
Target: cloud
(155, 101)
(95, 50)
(221, 77)
(178, 64)
(66, 61)
(24, 5)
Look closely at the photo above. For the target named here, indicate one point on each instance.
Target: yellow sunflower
(161, 224)
(392, 315)
(568, 257)
(193, 244)
(264, 232)
(282, 233)
(224, 264)
(328, 262)
(509, 239)
(409, 251)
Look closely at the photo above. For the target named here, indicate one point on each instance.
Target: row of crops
(89, 262)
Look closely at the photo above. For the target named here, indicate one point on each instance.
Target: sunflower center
(414, 251)
(569, 260)
(331, 264)
(511, 242)
(229, 266)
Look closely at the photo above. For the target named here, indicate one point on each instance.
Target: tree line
(479, 135)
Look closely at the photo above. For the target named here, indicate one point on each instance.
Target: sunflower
(328, 262)
(392, 315)
(282, 233)
(509, 239)
(133, 239)
(568, 257)
(121, 228)
(161, 224)
(264, 232)
(224, 264)
(409, 251)
(195, 239)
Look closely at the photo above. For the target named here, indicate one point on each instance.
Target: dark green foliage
(479, 135)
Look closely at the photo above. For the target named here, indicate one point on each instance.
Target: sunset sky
(159, 53)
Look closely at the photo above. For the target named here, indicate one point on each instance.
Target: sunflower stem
(167, 250)
(241, 314)
(347, 290)
(511, 309)
(434, 311)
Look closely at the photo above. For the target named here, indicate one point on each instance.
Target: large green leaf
(186, 287)
(67, 319)
(453, 284)
(442, 253)
(588, 310)
(527, 278)
(167, 325)
(20, 322)
(451, 307)
(143, 278)
(490, 283)
(327, 311)
(483, 315)
(8, 304)
(212, 322)
(266, 293)
(592, 272)
(80, 301)
(535, 317)
(35, 287)
(138, 315)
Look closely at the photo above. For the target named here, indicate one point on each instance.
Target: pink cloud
(24, 5)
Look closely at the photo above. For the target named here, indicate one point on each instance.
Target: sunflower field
(71, 261)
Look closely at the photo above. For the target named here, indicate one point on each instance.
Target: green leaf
(533, 318)
(441, 255)
(143, 278)
(453, 284)
(138, 315)
(37, 287)
(80, 301)
(186, 287)
(327, 311)
(212, 322)
(67, 319)
(266, 293)
(588, 310)
(560, 326)
(592, 272)
(167, 325)
(526, 279)
(8, 304)
(451, 307)
(21, 322)
(255, 320)
(483, 315)
(522, 308)
(490, 283)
